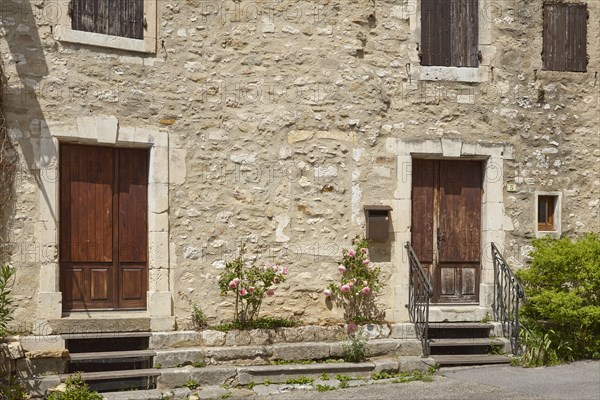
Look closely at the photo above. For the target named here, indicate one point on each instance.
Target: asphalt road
(577, 381)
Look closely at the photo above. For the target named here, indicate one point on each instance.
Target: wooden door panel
(133, 289)
(73, 283)
(422, 205)
(100, 279)
(86, 180)
(446, 221)
(133, 203)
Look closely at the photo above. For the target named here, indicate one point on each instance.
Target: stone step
(460, 325)
(459, 342)
(105, 335)
(282, 351)
(113, 375)
(470, 359)
(112, 356)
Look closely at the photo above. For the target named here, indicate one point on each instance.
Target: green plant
(562, 313)
(497, 349)
(356, 350)
(199, 319)
(266, 382)
(381, 375)
(251, 385)
(250, 284)
(158, 366)
(12, 390)
(539, 348)
(324, 376)
(487, 318)
(288, 362)
(191, 384)
(199, 364)
(324, 388)
(359, 284)
(76, 389)
(343, 378)
(6, 301)
(259, 323)
(303, 380)
(410, 376)
(226, 395)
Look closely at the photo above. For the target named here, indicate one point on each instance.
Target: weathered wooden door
(446, 226)
(103, 227)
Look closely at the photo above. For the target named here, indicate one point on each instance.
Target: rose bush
(359, 284)
(250, 284)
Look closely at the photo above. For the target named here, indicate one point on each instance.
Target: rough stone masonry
(283, 120)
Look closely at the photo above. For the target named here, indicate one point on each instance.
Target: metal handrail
(420, 292)
(508, 293)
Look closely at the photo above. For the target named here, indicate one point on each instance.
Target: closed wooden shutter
(565, 36)
(110, 17)
(449, 33)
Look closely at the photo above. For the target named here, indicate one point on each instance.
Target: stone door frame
(492, 216)
(104, 130)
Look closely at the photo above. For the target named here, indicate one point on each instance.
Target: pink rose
(366, 290)
(345, 288)
(270, 292)
(234, 282)
(363, 250)
(351, 253)
(327, 293)
(251, 289)
(366, 262)
(243, 292)
(276, 280)
(275, 268)
(351, 284)
(352, 327)
(342, 269)
(284, 271)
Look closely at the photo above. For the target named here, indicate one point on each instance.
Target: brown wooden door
(103, 227)
(446, 226)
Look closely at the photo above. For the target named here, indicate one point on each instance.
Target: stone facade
(273, 124)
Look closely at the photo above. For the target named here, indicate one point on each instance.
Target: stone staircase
(466, 343)
(112, 361)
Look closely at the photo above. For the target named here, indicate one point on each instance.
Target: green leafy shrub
(356, 350)
(324, 388)
(359, 284)
(191, 384)
(562, 313)
(199, 319)
(260, 323)
(303, 380)
(250, 284)
(77, 389)
(6, 301)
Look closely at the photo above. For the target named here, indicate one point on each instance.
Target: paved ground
(578, 381)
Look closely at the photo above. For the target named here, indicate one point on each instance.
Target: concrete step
(112, 356)
(470, 359)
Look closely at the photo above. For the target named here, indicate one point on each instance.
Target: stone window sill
(66, 34)
(454, 74)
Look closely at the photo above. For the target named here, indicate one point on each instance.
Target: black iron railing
(508, 294)
(419, 295)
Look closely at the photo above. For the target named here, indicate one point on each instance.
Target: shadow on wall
(21, 107)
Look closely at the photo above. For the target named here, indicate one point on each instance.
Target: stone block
(214, 375)
(403, 331)
(212, 392)
(158, 250)
(179, 357)
(161, 324)
(4, 362)
(373, 331)
(212, 338)
(411, 347)
(336, 350)
(390, 366)
(159, 304)
(32, 367)
(173, 377)
(42, 343)
(38, 387)
(414, 363)
(301, 351)
(126, 134)
(86, 128)
(49, 307)
(260, 337)
(383, 347)
(107, 127)
(159, 165)
(15, 350)
(165, 340)
(237, 353)
(237, 338)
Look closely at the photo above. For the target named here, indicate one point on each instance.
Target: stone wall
(280, 116)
